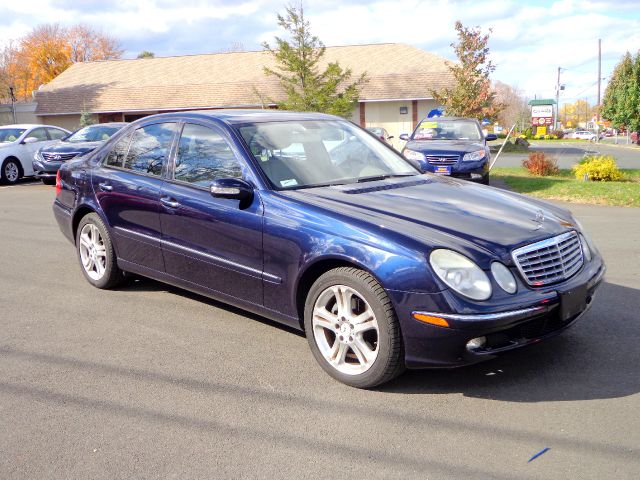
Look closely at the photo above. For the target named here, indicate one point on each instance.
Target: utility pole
(599, 76)
(13, 108)
(555, 123)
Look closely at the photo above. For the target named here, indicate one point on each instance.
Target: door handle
(169, 202)
(105, 187)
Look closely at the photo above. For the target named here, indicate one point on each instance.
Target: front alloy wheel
(345, 330)
(10, 171)
(352, 328)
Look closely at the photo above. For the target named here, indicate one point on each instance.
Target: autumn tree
(306, 85)
(88, 44)
(471, 94)
(47, 51)
(621, 102)
(515, 107)
(573, 114)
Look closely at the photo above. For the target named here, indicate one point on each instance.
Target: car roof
(248, 116)
(108, 124)
(24, 125)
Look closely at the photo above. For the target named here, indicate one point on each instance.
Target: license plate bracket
(442, 170)
(573, 302)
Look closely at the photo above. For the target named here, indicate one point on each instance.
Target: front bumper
(474, 171)
(532, 316)
(46, 170)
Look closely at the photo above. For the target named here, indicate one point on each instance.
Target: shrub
(538, 164)
(601, 168)
(501, 135)
(557, 134)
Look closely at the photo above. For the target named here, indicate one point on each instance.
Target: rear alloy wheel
(10, 171)
(96, 254)
(352, 328)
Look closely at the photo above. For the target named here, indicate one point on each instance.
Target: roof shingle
(236, 79)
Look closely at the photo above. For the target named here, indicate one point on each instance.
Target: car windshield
(434, 129)
(8, 135)
(93, 133)
(300, 154)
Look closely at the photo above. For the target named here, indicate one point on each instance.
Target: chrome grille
(58, 157)
(442, 159)
(551, 260)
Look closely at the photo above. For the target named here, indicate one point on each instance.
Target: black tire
(8, 173)
(112, 275)
(48, 181)
(485, 180)
(389, 362)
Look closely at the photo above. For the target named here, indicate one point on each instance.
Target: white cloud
(529, 40)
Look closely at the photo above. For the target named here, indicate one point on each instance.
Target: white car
(18, 144)
(584, 135)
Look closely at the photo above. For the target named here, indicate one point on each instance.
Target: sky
(528, 40)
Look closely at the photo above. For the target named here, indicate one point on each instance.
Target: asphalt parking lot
(149, 381)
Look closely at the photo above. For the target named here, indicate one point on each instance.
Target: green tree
(471, 95)
(146, 54)
(621, 101)
(298, 69)
(86, 119)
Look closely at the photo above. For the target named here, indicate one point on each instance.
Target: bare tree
(516, 108)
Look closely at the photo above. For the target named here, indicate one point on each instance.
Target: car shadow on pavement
(596, 358)
(143, 284)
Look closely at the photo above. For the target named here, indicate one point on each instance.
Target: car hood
(445, 212)
(444, 146)
(67, 147)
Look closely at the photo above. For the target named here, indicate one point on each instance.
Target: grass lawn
(564, 186)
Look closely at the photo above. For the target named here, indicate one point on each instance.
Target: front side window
(308, 153)
(39, 133)
(149, 148)
(204, 156)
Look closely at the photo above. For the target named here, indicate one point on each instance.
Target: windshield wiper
(374, 178)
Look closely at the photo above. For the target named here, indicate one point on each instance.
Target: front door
(210, 242)
(127, 185)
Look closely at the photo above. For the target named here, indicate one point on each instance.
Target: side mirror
(30, 140)
(232, 188)
(491, 137)
(404, 136)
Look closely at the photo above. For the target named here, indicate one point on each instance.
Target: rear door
(127, 185)
(211, 242)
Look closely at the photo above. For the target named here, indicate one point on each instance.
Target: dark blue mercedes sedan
(311, 221)
(450, 146)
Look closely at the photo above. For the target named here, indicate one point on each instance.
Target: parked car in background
(383, 267)
(381, 133)
(450, 146)
(48, 159)
(584, 135)
(18, 144)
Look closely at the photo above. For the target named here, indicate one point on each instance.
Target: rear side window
(204, 156)
(56, 134)
(149, 148)
(119, 151)
(40, 134)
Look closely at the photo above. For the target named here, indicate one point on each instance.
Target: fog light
(476, 343)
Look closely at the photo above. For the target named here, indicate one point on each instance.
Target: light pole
(13, 108)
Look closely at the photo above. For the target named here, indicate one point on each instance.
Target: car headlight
(37, 156)
(504, 278)
(586, 249)
(461, 274)
(413, 155)
(474, 156)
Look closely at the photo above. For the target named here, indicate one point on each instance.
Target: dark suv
(450, 146)
(49, 158)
